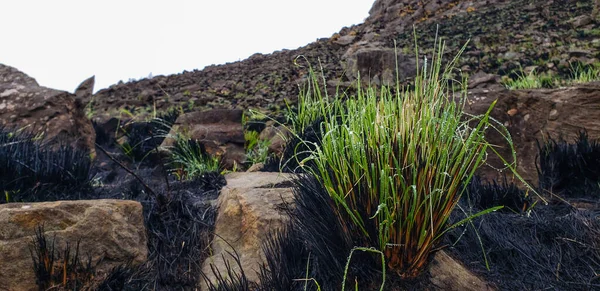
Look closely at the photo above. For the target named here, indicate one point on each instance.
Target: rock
(512, 56)
(448, 274)
(250, 206)
(377, 65)
(580, 21)
(345, 40)
(86, 88)
(277, 136)
(109, 229)
(532, 115)
(58, 115)
(219, 130)
(256, 167)
(483, 80)
(577, 52)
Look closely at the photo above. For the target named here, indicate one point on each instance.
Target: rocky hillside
(504, 36)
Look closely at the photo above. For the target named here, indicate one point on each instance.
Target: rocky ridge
(504, 36)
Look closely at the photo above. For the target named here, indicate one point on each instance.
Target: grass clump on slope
(394, 162)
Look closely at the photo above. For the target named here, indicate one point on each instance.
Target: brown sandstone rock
(249, 207)
(276, 135)
(219, 130)
(112, 229)
(532, 115)
(58, 115)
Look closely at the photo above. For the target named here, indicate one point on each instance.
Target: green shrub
(398, 159)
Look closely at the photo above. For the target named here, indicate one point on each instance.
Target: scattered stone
(482, 80)
(256, 167)
(580, 21)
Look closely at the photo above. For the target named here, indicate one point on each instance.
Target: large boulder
(220, 131)
(378, 65)
(109, 229)
(250, 206)
(536, 115)
(58, 115)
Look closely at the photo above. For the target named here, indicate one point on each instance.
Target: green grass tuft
(257, 150)
(189, 159)
(397, 158)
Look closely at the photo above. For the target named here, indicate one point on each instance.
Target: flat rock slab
(109, 229)
(250, 206)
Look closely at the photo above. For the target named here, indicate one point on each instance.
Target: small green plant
(127, 150)
(89, 109)
(585, 74)
(257, 150)
(190, 105)
(9, 194)
(189, 159)
(529, 81)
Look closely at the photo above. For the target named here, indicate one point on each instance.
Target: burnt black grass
(180, 228)
(286, 261)
(481, 195)
(32, 170)
(315, 245)
(570, 169)
(127, 277)
(144, 138)
(537, 252)
(234, 280)
(53, 270)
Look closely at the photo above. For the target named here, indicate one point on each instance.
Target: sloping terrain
(504, 35)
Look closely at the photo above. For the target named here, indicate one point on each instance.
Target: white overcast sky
(60, 43)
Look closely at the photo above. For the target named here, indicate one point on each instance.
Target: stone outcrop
(57, 115)
(250, 206)
(220, 131)
(536, 115)
(109, 229)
